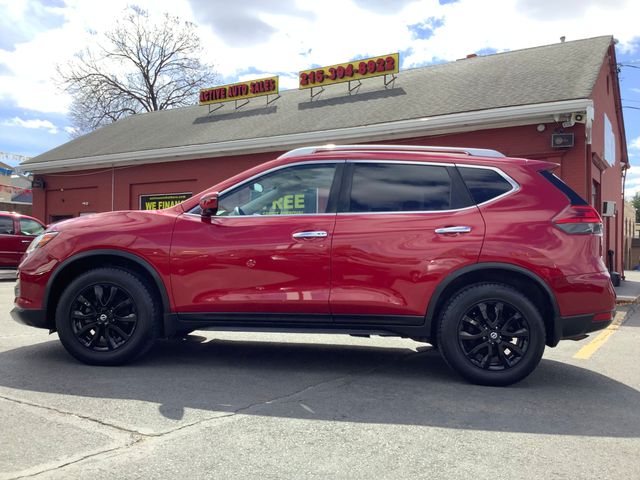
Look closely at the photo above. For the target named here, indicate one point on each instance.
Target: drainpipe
(113, 187)
(624, 180)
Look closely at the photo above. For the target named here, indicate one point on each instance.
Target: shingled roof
(551, 73)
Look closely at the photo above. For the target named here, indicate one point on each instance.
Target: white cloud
(634, 144)
(324, 33)
(32, 83)
(35, 123)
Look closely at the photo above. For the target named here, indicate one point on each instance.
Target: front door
(28, 230)
(401, 229)
(266, 251)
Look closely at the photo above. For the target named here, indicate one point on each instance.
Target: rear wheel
(491, 334)
(106, 316)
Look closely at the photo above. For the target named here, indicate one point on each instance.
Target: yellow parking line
(592, 347)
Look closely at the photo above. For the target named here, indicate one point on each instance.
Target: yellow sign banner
(347, 72)
(239, 91)
(162, 200)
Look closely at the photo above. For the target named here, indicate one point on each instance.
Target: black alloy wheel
(104, 317)
(491, 334)
(494, 335)
(107, 316)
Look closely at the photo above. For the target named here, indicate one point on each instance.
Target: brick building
(516, 102)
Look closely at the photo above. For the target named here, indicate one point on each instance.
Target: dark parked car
(16, 233)
(488, 258)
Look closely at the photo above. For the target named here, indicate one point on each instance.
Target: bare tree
(139, 66)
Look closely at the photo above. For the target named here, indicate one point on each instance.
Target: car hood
(117, 219)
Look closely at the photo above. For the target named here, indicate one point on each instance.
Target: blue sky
(257, 38)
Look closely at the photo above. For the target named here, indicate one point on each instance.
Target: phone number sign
(347, 72)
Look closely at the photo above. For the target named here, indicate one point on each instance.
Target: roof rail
(476, 152)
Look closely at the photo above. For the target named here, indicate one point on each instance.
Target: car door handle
(314, 234)
(457, 229)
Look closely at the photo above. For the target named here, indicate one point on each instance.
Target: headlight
(41, 240)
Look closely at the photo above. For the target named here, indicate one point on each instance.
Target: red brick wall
(88, 191)
(605, 98)
(91, 190)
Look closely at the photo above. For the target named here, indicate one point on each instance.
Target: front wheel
(106, 316)
(491, 334)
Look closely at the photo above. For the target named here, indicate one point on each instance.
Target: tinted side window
(484, 184)
(399, 188)
(294, 190)
(6, 225)
(30, 227)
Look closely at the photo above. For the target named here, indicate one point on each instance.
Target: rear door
(401, 228)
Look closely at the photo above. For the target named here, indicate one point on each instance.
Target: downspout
(624, 158)
(113, 187)
(624, 180)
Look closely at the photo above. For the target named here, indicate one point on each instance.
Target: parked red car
(16, 233)
(488, 258)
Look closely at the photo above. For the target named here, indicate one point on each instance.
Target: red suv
(488, 258)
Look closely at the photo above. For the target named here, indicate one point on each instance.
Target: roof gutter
(404, 128)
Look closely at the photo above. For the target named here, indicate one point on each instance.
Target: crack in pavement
(77, 460)
(340, 382)
(73, 414)
(139, 436)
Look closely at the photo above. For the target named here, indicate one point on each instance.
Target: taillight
(579, 220)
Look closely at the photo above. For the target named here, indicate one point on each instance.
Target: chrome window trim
(515, 186)
(409, 212)
(265, 216)
(271, 170)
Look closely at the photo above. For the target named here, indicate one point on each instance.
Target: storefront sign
(239, 91)
(346, 72)
(162, 200)
(294, 204)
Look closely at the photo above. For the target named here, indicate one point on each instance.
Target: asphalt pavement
(240, 405)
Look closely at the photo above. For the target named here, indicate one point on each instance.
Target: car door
(10, 244)
(401, 228)
(28, 229)
(265, 252)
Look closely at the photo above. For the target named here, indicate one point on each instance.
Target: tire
(106, 316)
(498, 347)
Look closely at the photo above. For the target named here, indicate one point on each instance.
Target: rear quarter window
(573, 197)
(6, 225)
(484, 184)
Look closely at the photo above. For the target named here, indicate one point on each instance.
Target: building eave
(458, 122)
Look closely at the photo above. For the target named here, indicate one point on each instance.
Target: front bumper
(31, 318)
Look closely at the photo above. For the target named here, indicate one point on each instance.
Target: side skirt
(384, 325)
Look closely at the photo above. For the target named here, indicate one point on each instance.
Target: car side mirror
(209, 204)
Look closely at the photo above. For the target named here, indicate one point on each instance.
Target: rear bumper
(585, 302)
(31, 318)
(579, 295)
(579, 325)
